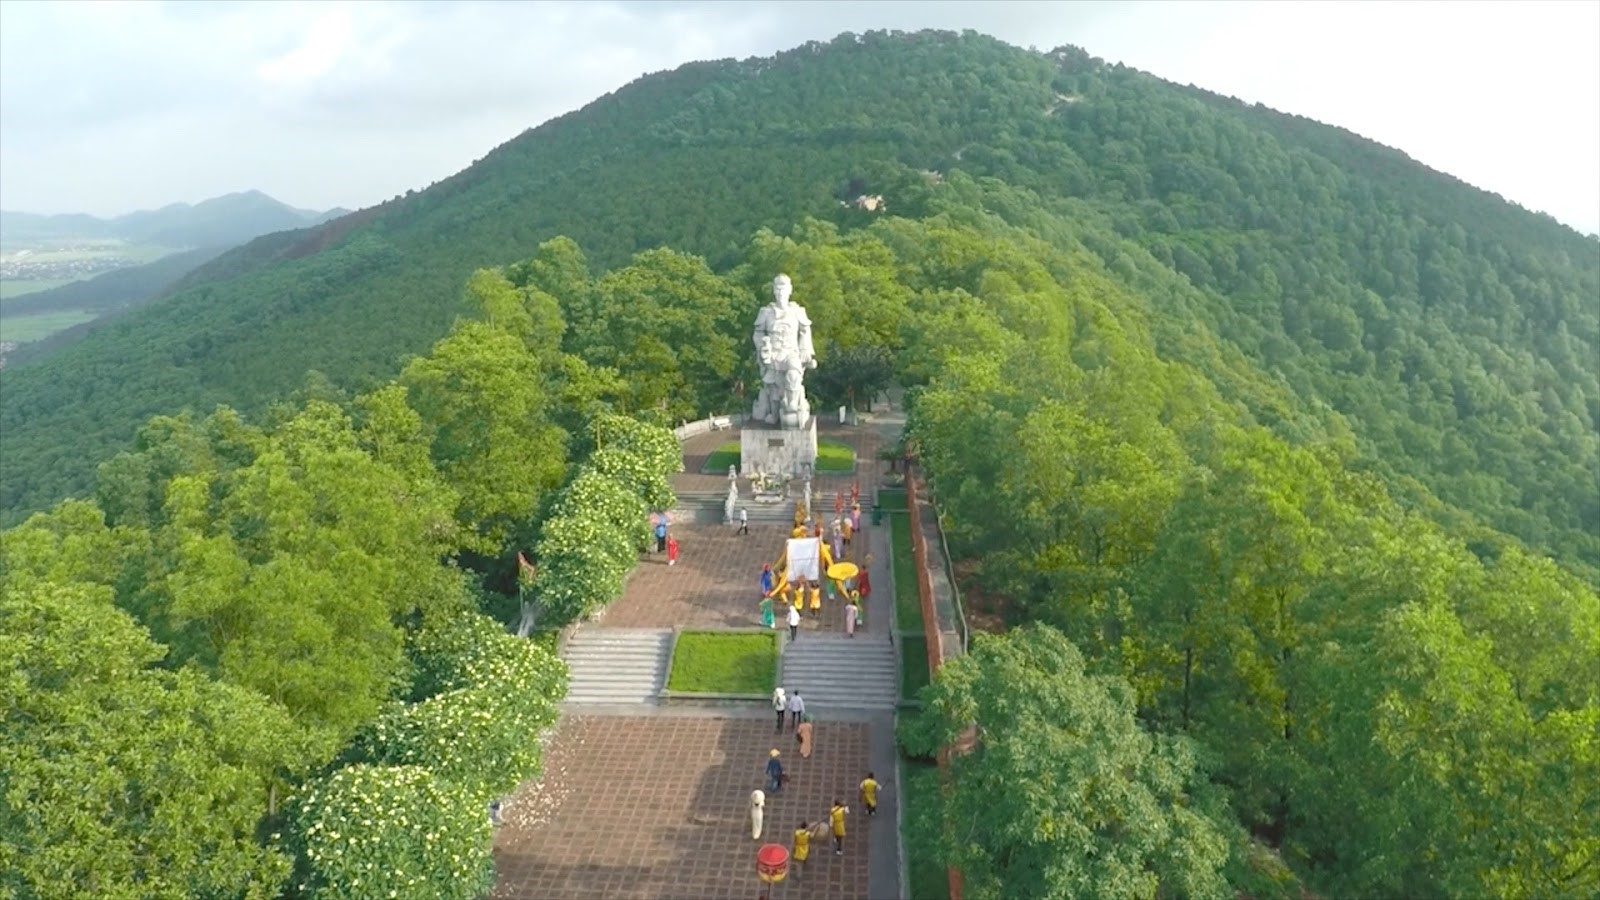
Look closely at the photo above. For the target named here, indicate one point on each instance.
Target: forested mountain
(1453, 335)
(218, 222)
(1252, 435)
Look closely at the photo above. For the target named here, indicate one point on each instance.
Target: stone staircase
(617, 665)
(837, 672)
(707, 507)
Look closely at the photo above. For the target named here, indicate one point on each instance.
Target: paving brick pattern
(715, 584)
(659, 808)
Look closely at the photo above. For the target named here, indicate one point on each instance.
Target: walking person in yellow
(802, 846)
(869, 794)
(836, 817)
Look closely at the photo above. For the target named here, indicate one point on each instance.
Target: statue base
(776, 450)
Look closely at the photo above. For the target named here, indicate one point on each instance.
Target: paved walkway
(659, 808)
(641, 801)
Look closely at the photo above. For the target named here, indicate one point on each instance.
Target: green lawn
(919, 793)
(913, 666)
(720, 662)
(833, 458)
(891, 500)
(40, 325)
(907, 603)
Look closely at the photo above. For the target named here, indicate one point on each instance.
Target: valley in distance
(62, 271)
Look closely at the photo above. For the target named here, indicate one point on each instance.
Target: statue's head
(782, 287)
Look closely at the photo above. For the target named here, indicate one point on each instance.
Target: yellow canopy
(843, 571)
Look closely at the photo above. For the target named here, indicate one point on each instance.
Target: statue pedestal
(778, 451)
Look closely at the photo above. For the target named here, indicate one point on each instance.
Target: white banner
(804, 559)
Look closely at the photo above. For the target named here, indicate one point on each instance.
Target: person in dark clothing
(774, 774)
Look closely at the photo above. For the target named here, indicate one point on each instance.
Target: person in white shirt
(780, 705)
(794, 622)
(797, 708)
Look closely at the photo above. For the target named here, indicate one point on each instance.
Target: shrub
(391, 831)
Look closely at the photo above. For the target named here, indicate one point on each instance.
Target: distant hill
(1452, 332)
(219, 222)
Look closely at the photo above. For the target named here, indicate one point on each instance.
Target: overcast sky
(107, 107)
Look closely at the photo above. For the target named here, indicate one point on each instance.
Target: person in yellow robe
(816, 600)
(836, 818)
(802, 848)
(869, 794)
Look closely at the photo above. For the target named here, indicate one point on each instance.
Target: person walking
(774, 773)
(768, 620)
(661, 535)
(744, 521)
(794, 623)
(758, 802)
(803, 735)
(780, 703)
(797, 708)
(864, 581)
(850, 610)
(802, 848)
(816, 600)
(672, 551)
(836, 818)
(869, 794)
(855, 517)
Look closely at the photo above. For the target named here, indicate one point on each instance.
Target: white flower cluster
(392, 831)
(591, 542)
(418, 825)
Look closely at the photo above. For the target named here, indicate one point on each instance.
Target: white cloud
(324, 45)
(135, 104)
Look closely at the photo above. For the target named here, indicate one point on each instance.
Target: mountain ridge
(217, 221)
(1327, 259)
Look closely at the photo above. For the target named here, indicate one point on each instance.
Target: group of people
(666, 541)
(791, 708)
(856, 592)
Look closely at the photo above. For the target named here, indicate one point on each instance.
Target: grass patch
(23, 329)
(833, 458)
(913, 666)
(919, 792)
(907, 602)
(721, 662)
(891, 500)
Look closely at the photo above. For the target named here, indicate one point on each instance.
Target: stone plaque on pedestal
(774, 450)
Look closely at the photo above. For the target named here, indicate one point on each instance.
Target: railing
(950, 572)
(688, 430)
(932, 629)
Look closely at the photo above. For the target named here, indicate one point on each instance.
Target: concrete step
(617, 665)
(841, 672)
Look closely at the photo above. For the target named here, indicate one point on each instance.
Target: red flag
(525, 566)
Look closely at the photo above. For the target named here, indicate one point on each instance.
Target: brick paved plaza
(716, 583)
(658, 807)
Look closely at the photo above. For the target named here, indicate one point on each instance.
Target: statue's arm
(808, 353)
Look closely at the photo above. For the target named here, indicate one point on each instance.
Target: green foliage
(922, 810)
(495, 694)
(907, 599)
(384, 831)
(914, 674)
(122, 779)
(1451, 332)
(600, 521)
(1063, 793)
(712, 662)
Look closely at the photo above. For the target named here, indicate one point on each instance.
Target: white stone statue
(730, 503)
(783, 348)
